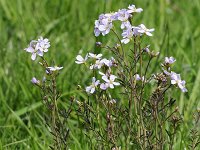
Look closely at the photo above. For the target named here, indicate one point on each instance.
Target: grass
(69, 26)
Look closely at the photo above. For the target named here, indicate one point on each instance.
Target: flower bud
(35, 81)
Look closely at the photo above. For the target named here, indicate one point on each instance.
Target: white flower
(169, 60)
(142, 29)
(95, 56)
(133, 9)
(92, 87)
(110, 81)
(176, 80)
(80, 59)
(55, 68)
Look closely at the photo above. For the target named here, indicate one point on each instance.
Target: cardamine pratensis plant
(128, 106)
(57, 119)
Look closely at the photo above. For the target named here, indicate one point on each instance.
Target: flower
(98, 64)
(138, 78)
(110, 81)
(80, 59)
(31, 49)
(104, 86)
(55, 68)
(142, 29)
(176, 80)
(92, 87)
(38, 47)
(169, 60)
(42, 45)
(35, 81)
(123, 15)
(104, 24)
(109, 63)
(95, 56)
(133, 9)
(125, 24)
(146, 49)
(127, 35)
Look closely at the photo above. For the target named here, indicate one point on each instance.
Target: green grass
(69, 26)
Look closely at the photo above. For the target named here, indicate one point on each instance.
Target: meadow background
(69, 26)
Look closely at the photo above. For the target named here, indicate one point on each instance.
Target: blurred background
(69, 26)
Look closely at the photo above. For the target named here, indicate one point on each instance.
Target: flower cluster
(105, 23)
(39, 47)
(174, 77)
(108, 79)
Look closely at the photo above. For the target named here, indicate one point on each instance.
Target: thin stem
(55, 115)
(119, 42)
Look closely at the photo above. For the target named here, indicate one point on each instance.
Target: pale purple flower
(146, 49)
(105, 27)
(108, 63)
(110, 81)
(93, 86)
(135, 30)
(35, 81)
(138, 77)
(127, 35)
(38, 47)
(166, 72)
(95, 56)
(104, 24)
(31, 49)
(133, 9)
(123, 15)
(96, 30)
(55, 68)
(169, 60)
(80, 59)
(98, 64)
(143, 30)
(104, 86)
(42, 45)
(176, 80)
(125, 24)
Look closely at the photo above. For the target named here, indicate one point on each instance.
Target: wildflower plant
(56, 121)
(123, 110)
(127, 106)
